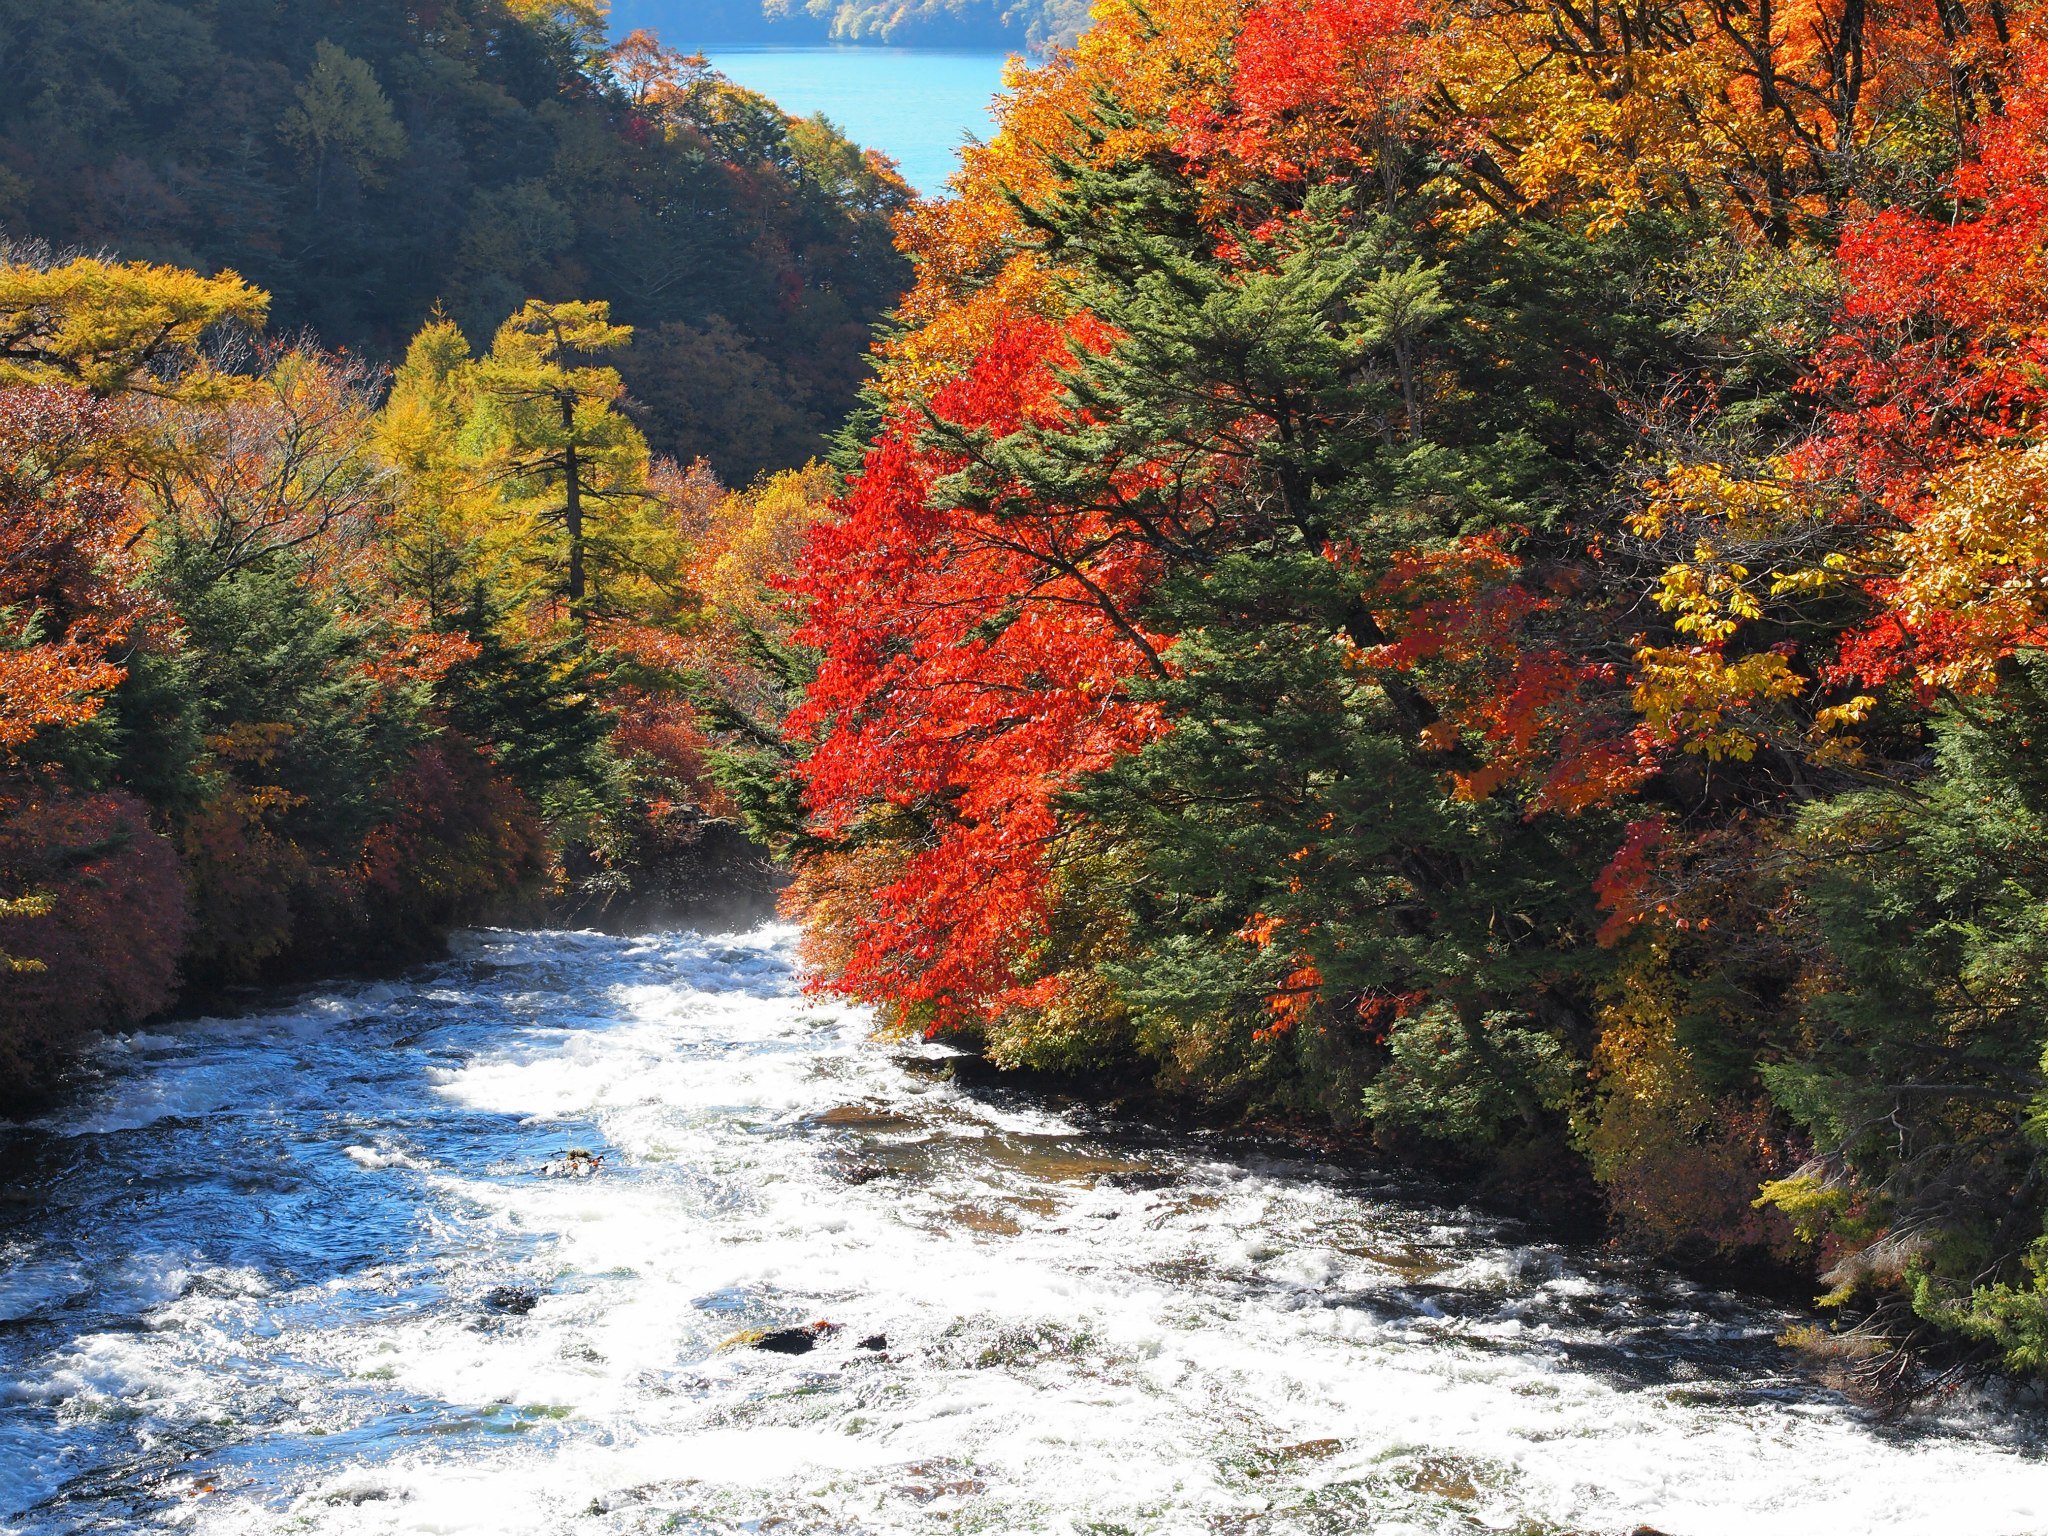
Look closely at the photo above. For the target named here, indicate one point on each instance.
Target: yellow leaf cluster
(1690, 103)
(111, 327)
(1711, 600)
(1697, 696)
(1974, 565)
(755, 535)
(1747, 504)
(1595, 123)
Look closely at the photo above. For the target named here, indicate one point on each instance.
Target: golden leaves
(1700, 697)
(109, 328)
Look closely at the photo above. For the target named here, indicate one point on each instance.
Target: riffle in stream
(334, 1268)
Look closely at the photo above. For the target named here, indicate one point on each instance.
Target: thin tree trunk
(572, 475)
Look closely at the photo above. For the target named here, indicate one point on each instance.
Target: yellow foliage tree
(1769, 114)
(442, 503)
(112, 328)
(520, 471)
(755, 535)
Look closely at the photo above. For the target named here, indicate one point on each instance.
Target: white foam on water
(180, 1094)
(1080, 1337)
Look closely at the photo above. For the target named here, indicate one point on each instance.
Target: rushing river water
(333, 1269)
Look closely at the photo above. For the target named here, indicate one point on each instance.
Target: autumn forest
(1467, 575)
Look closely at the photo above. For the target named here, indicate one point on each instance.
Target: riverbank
(1552, 1191)
(710, 875)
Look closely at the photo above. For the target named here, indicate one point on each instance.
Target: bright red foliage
(1313, 81)
(966, 679)
(1529, 715)
(1941, 370)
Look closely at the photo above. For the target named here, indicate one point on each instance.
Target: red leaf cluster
(68, 531)
(967, 680)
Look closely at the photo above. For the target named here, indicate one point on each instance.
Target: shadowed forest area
(368, 164)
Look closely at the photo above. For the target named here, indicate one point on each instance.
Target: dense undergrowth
(1474, 570)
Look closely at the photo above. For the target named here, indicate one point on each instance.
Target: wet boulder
(512, 1300)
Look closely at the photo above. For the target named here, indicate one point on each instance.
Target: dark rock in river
(514, 1299)
(782, 1341)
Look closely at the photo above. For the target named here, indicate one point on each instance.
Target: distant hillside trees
(367, 163)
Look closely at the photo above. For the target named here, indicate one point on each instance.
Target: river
(331, 1267)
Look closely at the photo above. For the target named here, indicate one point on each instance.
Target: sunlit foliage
(1473, 568)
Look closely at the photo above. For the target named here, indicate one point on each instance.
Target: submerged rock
(788, 1341)
(515, 1300)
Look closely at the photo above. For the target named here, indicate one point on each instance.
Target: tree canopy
(1471, 569)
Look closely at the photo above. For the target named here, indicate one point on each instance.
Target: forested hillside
(369, 163)
(1475, 570)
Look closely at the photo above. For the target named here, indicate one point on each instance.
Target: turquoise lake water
(918, 106)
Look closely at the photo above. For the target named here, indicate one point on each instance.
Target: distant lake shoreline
(711, 25)
(916, 105)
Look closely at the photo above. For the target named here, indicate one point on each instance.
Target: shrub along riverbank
(1471, 570)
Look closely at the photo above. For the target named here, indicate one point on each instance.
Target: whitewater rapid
(331, 1268)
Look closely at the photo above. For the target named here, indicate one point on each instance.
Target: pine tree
(1316, 869)
(1918, 1058)
(571, 467)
